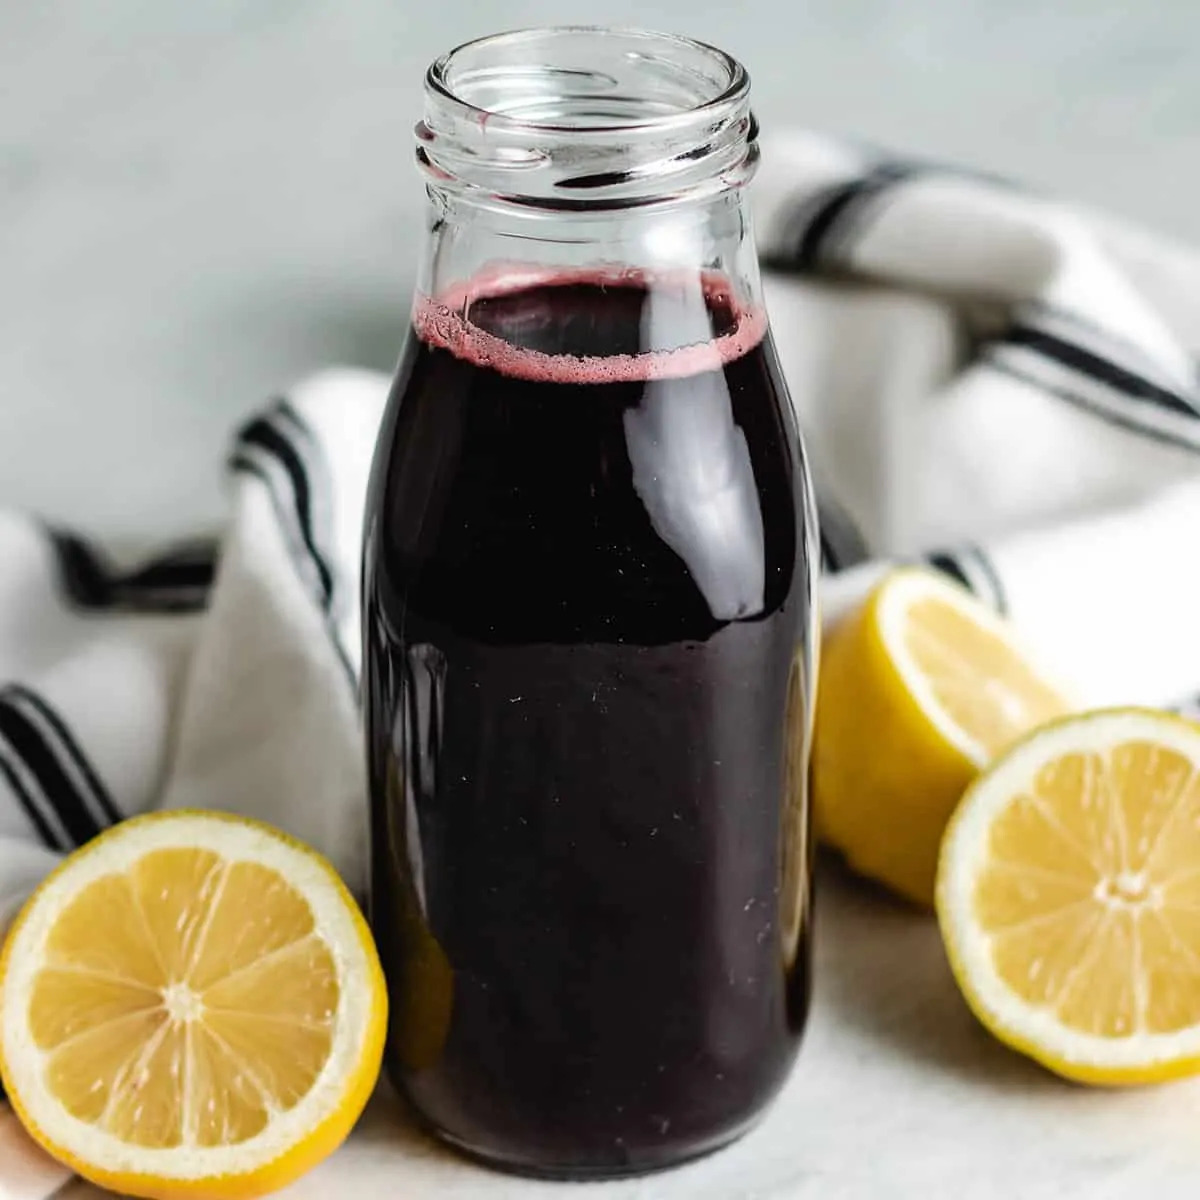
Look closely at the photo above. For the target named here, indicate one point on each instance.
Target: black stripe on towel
(54, 782)
(842, 542)
(1066, 389)
(829, 557)
(948, 565)
(84, 576)
(246, 464)
(55, 730)
(972, 569)
(830, 222)
(177, 581)
(49, 836)
(267, 436)
(248, 458)
(1113, 344)
(1079, 358)
(320, 483)
(990, 578)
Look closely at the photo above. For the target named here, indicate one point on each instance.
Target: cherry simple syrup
(586, 596)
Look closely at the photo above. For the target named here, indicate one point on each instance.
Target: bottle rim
(586, 116)
(440, 80)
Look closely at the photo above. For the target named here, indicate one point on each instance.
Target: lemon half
(1068, 897)
(191, 1005)
(919, 689)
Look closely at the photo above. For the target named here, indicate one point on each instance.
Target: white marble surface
(201, 202)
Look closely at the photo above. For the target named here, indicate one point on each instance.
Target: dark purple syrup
(586, 597)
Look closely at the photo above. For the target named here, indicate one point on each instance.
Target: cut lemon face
(919, 689)
(1069, 897)
(191, 1005)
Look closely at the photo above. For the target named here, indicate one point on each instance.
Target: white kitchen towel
(989, 381)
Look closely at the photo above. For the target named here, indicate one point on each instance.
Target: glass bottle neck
(575, 149)
(476, 244)
(596, 158)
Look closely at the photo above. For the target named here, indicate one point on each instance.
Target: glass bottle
(589, 620)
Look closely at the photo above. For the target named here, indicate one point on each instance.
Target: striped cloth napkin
(989, 381)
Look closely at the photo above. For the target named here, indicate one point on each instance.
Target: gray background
(201, 201)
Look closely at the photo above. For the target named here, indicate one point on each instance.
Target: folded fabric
(989, 382)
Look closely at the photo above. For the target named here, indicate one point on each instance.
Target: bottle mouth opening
(586, 117)
(589, 79)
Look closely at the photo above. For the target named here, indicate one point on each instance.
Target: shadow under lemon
(881, 965)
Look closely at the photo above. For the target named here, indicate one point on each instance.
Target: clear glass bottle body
(589, 640)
